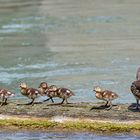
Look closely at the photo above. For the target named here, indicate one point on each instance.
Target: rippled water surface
(63, 136)
(75, 44)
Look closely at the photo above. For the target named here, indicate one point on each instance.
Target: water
(75, 44)
(63, 136)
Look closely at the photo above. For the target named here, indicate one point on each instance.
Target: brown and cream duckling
(50, 91)
(4, 95)
(31, 93)
(105, 95)
(53, 91)
(135, 89)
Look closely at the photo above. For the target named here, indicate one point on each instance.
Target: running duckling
(31, 93)
(53, 91)
(105, 95)
(50, 91)
(135, 89)
(4, 95)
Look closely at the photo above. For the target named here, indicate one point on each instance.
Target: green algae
(78, 125)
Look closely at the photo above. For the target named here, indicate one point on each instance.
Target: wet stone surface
(122, 112)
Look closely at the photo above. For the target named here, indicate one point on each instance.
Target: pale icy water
(74, 44)
(77, 44)
(63, 136)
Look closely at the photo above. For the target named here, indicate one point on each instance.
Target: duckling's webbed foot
(108, 108)
(110, 105)
(30, 103)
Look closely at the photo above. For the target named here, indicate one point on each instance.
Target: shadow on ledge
(102, 107)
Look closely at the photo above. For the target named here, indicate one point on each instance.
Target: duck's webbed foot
(137, 105)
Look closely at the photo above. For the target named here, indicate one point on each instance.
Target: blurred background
(73, 44)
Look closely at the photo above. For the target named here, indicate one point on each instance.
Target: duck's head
(97, 89)
(23, 85)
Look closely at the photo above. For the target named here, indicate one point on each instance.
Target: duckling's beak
(94, 90)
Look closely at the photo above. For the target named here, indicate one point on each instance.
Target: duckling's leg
(49, 99)
(62, 101)
(31, 103)
(5, 102)
(66, 101)
(52, 100)
(106, 103)
(109, 106)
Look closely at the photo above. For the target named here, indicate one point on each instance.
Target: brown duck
(135, 89)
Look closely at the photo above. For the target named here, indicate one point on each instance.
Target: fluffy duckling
(31, 93)
(50, 91)
(105, 95)
(135, 89)
(64, 93)
(54, 91)
(4, 95)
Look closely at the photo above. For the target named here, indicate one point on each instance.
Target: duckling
(64, 93)
(4, 95)
(31, 93)
(54, 91)
(105, 95)
(135, 89)
(50, 91)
